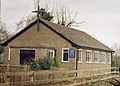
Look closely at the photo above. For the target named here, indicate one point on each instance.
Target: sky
(102, 17)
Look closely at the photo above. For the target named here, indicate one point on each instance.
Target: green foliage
(1, 58)
(44, 64)
(45, 15)
(33, 65)
(1, 49)
(54, 62)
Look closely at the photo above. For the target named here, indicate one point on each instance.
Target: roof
(77, 37)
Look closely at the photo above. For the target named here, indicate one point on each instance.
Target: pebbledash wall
(44, 40)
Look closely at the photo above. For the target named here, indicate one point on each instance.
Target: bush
(44, 64)
(33, 65)
(54, 62)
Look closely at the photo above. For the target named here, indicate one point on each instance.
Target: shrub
(33, 65)
(54, 62)
(44, 64)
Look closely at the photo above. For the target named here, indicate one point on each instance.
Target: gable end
(29, 26)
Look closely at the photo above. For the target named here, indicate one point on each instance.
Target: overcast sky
(102, 17)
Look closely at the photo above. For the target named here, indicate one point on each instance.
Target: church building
(72, 48)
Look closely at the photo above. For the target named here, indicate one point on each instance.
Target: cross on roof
(38, 12)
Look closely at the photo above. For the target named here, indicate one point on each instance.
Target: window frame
(97, 57)
(53, 53)
(63, 54)
(109, 54)
(90, 56)
(79, 55)
(102, 57)
(26, 52)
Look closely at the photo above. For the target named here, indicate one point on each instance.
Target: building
(72, 48)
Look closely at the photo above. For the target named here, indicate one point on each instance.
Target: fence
(55, 77)
(13, 68)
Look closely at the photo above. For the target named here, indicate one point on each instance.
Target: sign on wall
(72, 53)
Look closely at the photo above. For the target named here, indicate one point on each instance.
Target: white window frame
(79, 55)
(63, 52)
(53, 51)
(90, 56)
(97, 57)
(109, 58)
(104, 57)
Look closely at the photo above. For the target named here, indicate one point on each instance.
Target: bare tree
(44, 14)
(25, 21)
(116, 48)
(4, 34)
(116, 55)
(66, 18)
(60, 16)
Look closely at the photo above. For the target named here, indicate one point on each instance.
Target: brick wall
(41, 41)
(33, 38)
(93, 65)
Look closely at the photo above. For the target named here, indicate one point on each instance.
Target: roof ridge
(78, 37)
(61, 25)
(76, 30)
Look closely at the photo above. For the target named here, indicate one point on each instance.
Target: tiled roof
(77, 37)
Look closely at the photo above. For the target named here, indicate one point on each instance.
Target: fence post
(75, 77)
(32, 77)
(99, 75)
(117, 71)
(27, 67)
(7, 79)
(49, 78)
(84, 76)
(8, 67)
(92, 75)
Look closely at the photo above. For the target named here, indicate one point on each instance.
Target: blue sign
(72, 53)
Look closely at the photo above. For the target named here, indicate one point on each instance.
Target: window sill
(65, 61)
(109, 62)
(96, 62)
(103, 62)
(79, 62)
(89, 62)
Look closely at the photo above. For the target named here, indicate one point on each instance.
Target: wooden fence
(57, 77)
(13, 68)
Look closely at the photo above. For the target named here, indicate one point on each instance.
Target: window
(88, 56)
(96, 56)
(65, 55)
(71, 53)
(103, 57)
(26, 56)
(79, 56)
(109, 58)
(51, 53)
